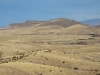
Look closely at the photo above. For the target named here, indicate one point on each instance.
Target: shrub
(63, 62)
(58, 66)
(81, 43)
(50, 70)
(75, 68)
(96, 70)
(98, 74)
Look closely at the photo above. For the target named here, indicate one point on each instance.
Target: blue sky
(12, 11)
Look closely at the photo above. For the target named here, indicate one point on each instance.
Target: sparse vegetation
(56, 51)
(95, 35)
(81, 43)
(91, 38)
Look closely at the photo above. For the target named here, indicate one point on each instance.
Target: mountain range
(92, 22)
(55, 26)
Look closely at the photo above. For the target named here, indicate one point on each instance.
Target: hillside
(4, 70)
(79, 29)
(54, 47)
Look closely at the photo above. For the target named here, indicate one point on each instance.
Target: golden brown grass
(51, 52)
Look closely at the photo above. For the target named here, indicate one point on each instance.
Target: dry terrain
(55, 47)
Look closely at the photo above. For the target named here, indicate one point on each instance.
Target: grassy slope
(66, 53)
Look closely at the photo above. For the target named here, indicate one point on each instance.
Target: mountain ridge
(60, 22)
(92, 22)
(55, 26)
(27, 23)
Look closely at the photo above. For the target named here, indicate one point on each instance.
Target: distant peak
(92, 22)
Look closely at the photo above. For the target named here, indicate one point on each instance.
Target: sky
(16, 11)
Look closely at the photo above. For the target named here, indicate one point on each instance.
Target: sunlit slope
(55, 47)
(80, 29)
(40, 30)
(38, 69)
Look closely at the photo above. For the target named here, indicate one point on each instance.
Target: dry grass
(51, 52)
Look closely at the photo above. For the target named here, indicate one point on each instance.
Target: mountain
(58, 22)
(61, 22)
(54, 26)
(27, 23)
(92, 22)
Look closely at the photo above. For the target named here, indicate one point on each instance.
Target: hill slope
(80, 29)
(7, 70)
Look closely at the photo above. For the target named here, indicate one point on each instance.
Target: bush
(75, 68)
(82, 43)
(63, 62)
(50, 70)
(98, 74)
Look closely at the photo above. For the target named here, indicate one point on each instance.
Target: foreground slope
(7, 70)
